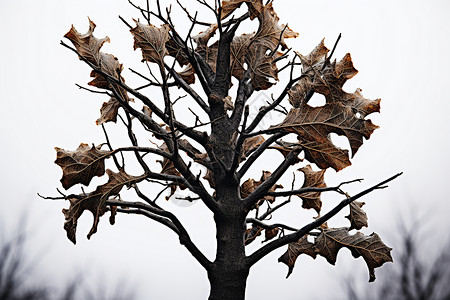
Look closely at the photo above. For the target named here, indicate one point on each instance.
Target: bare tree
(223, 137)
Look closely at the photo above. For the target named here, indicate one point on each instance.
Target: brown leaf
(312, 179)
(86, 44)
(285, 148)
(374, 252)
(251, 234)
(250, 145)
(257, 50)
(254, 7)
(109, 112)
(95, 202)
(360, 104)
(81, 165)
(152, 41)
(357, 217)
(147, 111)
(316, 56)
(210, 178)
(302, 246)
(168, 168)
(250, 185)
(270, 234)
(270, 33)
(313, 126)
(324, 154)
(88, 47)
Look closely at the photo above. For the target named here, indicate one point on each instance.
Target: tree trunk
(227, 283)
(228, 276)
(230, 270)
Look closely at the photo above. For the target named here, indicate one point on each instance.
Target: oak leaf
(95, 202)
(302, 246)
(316, 180)
(313, 125)
(109, 112)
(250, 145)
(88, 47)
(81, 165)
(152, 41)
(357, 217)
(374, 252)
(270, 234)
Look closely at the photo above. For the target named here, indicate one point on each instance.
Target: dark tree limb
(263, 189)
(261, 224)
(178, 227)
(263, 251)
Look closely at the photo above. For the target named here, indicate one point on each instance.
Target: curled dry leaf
(152, 41)
(108, 112)
(316, 180)
(88, 47)
(302, 246)
(250, 145)
(270, 234)
(357, 216)
(374, 252)
(95, 202)
(81, 165)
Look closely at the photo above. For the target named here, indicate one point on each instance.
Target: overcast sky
(401, 49)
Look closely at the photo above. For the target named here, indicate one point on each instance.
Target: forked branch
(263, 251)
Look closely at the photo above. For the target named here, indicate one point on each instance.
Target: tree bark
(228, 275)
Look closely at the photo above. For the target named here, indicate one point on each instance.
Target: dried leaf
(270, 234)
(254, 7)
(324, 154)
(81, 165)
(313, 126)
(316, 56)
(251, 234)
(147, 111)
(360, 104)
(168, 168)
(374, 252)
(357, 217)
(285, 148)
(109, 112)
(86, 44)
(257, 50)
(152, 41)
(88, 48)
(302, 246)
(250, 145)
(312, 179)
(210, 178)
(270, 33)
(250, 185)
(95, 202)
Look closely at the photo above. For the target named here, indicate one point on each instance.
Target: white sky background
(401, 51)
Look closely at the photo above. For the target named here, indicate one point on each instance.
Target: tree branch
(263, 251)
(262, 190)
(178, 227)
